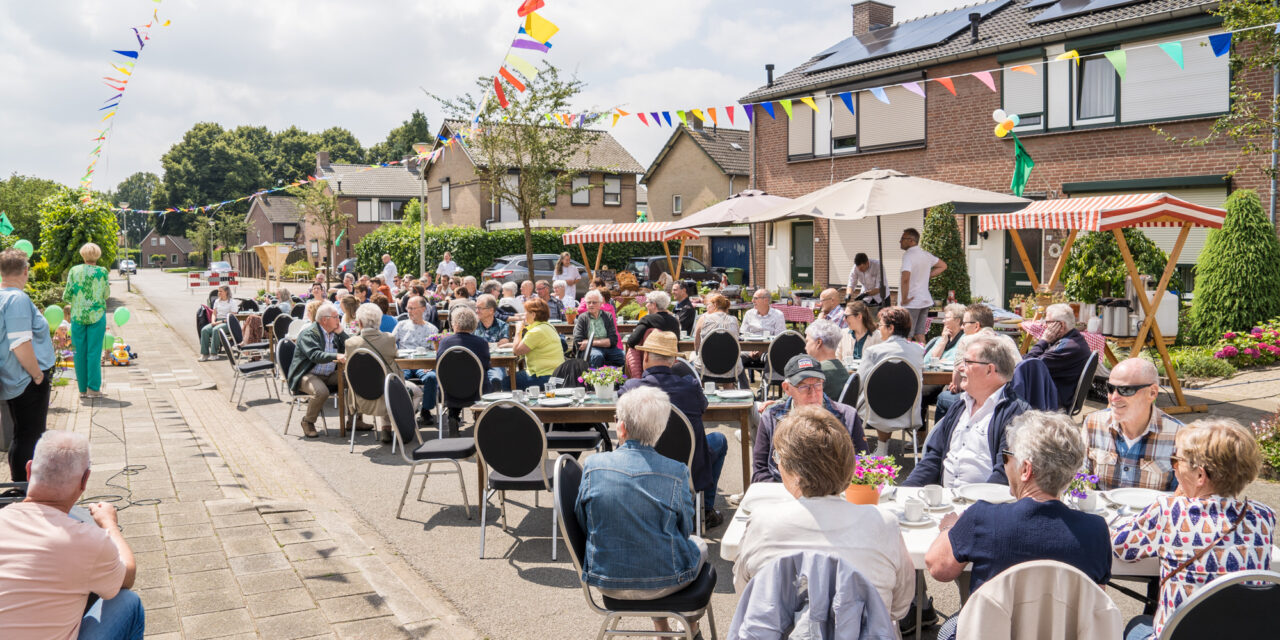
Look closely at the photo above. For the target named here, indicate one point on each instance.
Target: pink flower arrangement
(1260, 346)
(875, 471)
(1228, 335)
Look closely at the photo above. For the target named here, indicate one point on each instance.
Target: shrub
(1193, 362)
(631, 311)
(1238, 274)
(297, 267)
(1095, 269)
(1267, 431)
(1253, 348)
(44, 293)
(66, 224)
(941, 237)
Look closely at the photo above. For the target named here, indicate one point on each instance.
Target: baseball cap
(803, 366)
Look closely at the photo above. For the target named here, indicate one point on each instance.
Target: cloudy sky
(363, 65)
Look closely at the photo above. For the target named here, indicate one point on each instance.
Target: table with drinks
(932, 374)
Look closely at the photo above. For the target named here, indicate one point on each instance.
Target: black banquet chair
(365, 373)
(281, 326)
(242, 372)
(298, 311)
(676, 442)
(284, 358)
(404, 428)
(1242, 597)
(720, 353)
(687, 605)
(1084, 384)
(786, 346)
(890, 399)
(513, 446)
(270, 315)
(460, 382)
(233, 325)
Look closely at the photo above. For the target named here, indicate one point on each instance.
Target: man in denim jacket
(637, 508)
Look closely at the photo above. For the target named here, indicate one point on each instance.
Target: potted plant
(870, 475)
(1082, 490)
(605, 381)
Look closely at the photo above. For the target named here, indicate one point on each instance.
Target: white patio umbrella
(734, 210)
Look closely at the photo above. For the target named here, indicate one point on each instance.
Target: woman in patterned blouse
(87, 290)
(1203, 530)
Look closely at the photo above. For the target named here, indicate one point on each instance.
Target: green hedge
(475, 249)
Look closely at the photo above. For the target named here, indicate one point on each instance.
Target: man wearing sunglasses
(1131, 441)
(803, 385)
(1063, 350)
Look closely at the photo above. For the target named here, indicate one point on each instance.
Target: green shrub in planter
(941, 237)
(1095, 269)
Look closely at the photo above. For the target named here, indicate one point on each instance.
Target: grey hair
(490, 284)
(559, 284)
(283, 294)
(1052, 443)
(593, 294)
(1062, 313)
(660, 299)
(510, 287)
(463, 319)
(369, 315)
(826, 331)
(487, 301)
(955, 309)
(992, 350)
(59, 462)
(469, 280)
(644, 410)
(327, 310)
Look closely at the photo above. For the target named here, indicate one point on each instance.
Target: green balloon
(108, 342)
(53, 313)
(121, 316)
(25, 247)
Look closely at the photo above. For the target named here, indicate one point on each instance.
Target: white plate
(1135, 498)
(926, 522)
(735, 394)
(993, 493)
(566, 393)
(554, 402)
(493, 397)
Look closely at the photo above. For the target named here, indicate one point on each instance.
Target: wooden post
(586, 263)
(1026, 261)
(599, 254)
(680, 259)
(667, 250)
(1169, 266)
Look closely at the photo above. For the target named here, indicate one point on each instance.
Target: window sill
(1116, 125)
(855, 154)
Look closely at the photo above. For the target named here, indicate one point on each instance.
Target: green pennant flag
(338, 240)
(1022, 166)
(1120, 60)
(6, 227)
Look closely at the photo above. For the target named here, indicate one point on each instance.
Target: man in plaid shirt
(1131, 441)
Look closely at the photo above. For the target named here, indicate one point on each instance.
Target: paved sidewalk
(234, 535)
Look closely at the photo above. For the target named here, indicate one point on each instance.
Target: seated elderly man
(463, 321)
(313, 370)
(660, 351)
(496, 333)
(511, 300)
(895, 333)
(1062, 349)
(977, 319)
(416, 333)
(803, 383)
(821, 339)
(1131, 442)
(634, 500)
(830, 308)
(1045, 452)
(603, 330)
(50, 562)
(964, 447)
(555, 306)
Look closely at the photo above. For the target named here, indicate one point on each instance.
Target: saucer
(554, 402)
(918, 524)
(946, 506)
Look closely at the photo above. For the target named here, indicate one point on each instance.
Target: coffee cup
(932, 495)
(913, 510)
(709, 388)
(1089, 502)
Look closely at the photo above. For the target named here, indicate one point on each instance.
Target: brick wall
(258, 230)
(961, 149)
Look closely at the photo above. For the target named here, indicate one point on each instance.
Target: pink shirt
(49, 563)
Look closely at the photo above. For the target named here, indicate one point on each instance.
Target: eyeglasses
(969, 363)
(1007, 455)
(1126, 390)
(1174, 460)
(807, 388)
(968, 322)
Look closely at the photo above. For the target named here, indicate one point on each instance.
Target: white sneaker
(204, 358)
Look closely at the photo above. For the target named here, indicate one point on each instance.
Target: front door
(1016, 281)
(730, 252)
(802, 253)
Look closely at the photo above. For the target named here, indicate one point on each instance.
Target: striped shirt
(1144, 464)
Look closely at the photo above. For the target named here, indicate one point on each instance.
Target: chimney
(322, 160)
(870, 15)
(974, 20)
(696, 123)
(768, 72)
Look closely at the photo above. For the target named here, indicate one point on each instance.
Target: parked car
(128, 266)
(513, 269)
(223, 269)
(345, 267)
(649, 268)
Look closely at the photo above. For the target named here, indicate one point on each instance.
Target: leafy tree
(136, 190)
(320, 207)
(1095, 269)
(67, 223)
(342, 145)
(399, 142)
(1238, 274)
(519, 140)
(294, 155)
(211, 164)
(20, 198)
(941, 237)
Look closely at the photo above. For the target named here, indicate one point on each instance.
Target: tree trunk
(528, 246)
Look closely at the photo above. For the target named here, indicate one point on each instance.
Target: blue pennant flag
(1221, 43)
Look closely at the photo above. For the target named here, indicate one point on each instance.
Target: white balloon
(999, 115)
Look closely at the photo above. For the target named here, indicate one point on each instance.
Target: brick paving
(234, 536)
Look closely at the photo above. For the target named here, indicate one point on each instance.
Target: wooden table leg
(511, 374)
(745, 423)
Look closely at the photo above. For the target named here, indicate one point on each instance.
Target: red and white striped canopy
(628, 232)
(1104, 213)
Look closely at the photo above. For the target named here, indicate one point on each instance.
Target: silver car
(513, 269)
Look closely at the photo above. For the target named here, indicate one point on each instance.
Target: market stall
(629, 232)
(1114, 213)
(273, 258)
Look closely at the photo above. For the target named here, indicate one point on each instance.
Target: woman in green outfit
(87, 291)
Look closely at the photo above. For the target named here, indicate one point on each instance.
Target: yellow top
(545, 352)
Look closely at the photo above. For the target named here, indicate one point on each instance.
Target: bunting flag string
(1120, 60)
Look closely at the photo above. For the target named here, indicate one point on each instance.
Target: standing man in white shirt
(389, 271)
(866, 281)
(918, 266)
(447, 267)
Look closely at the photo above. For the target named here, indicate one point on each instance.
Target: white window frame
(1077, 88)
(162, 239)
(387, 211)
(677, 204)
(583, 197)
(445, 199)
(153, 241)
(613, 187)
(315, 247)
(364, 211)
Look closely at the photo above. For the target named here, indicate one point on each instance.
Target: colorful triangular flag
(656, 120)
(683, 120)
(786, 106)
(750, 110)
(711, 111)
(768, 108)
(1024, 68)
(539, 28)
(1174, 49)
(698, 112)
(879, 94)
(949, 84)
(809, 101)
(729, 110)
(914, 87)
(525, 67)
(1070, 55)
(6, 227)
(847, 98)
(1120, 60)
(529, 6)
(666, 115)
(1221, 44)
(985, 78)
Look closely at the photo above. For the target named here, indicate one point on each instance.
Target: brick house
(1088, 131)
(160, 250)
(371, 196)
(275, 219)
(695, 169)
(456, 196)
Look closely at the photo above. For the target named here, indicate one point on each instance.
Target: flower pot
(606, 392)
(862, 494)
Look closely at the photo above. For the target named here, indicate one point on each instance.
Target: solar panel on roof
(903, 37)
(1038, 3)
(1068, 8)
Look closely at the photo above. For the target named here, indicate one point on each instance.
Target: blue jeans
(120, 618)
(498, 379)
(524, 380)
(717, 447)
(945, 400)
(1140, 628)
(428, 380)
(605, 355)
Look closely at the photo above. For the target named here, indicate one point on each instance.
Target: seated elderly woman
(1045, 451)
(540, 345)
(634, 500)
(1214, 460)
(815, 458)
(895, 331)
(821, 339)
(716, 317)
(369, 316)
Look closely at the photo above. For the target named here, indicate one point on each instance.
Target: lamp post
(419, 163)
(124, 213)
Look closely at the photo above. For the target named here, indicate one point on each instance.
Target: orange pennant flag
(510, 77)
(711, 111)
(623, 113)
(949, 84)
(1024, 68)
